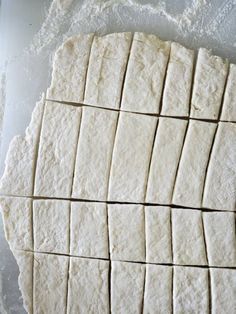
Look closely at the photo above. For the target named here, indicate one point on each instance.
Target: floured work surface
(121, 197)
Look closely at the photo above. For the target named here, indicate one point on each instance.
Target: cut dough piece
(131, 157)
(158, 234)
(145, 74)
(229, 104)
(17, 219)
(25, 279)
(190, 290)
(165, 159)
(93, 160)
(57, 150)
(127, 284)
(89, 230)
(126, 232)
(223, 287)
(69, 69)
(208, 87)
(188, 237)
(193, 164)
(220, 238)
(158, 290)
(176, 96)
(51, 226)
(18, 176)
(106, 70)
(50, 283)
(220, 187)
(88, 287)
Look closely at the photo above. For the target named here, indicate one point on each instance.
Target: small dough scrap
(190, 290)
(69, 69)
(17, 219)
(190, 178)
(18, 176)
(127, 284)
(229, 104)
(223, 287)
(145, 74)
(51, 226)
(220, 187)
(188, 237)
(131, 157)
(94, 153)
(165, 159)
(25, 279)
(88, 286)
(126, 232)
(208, 86)
(158, 234)
(106, 70)
(176, 95)
(50, 283)
(158, 290)
(220, 238)
(57, 150)
(89, 230)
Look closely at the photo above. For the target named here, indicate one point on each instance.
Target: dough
(190, 290)
(51, 226)
(126, 232)
(89, 230)
(178, 83)
(127, 284)
(18, 176)
(165, 158)
(106, 70)
(188, 237)
(50, 283)
(229, 104)
(93, 160)
(158, 234)
(57, 150)
(88, 287)
(220, 238)
(208, 86)
(158, 290)
(131, 157)
(17, 219)
(220, 186)
(69, 69)
(145, 74)
(193, 163)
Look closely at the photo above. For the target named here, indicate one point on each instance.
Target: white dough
(69, 69)
(131, 157)
(88, 287)
(188, 237)
(126, 232)
(229, 104)
(145, 74)
(51, 226)
(220, 238)
(89, 230)
(93, 160)
(208, 86)
(193, 163)
(106, 70)
(57, 150)
(176, 95)
(165, 158)
(158, 234)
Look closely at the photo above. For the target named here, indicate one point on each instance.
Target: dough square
(126, 232)
(89, 232)
(51, 226)
(229, 104)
